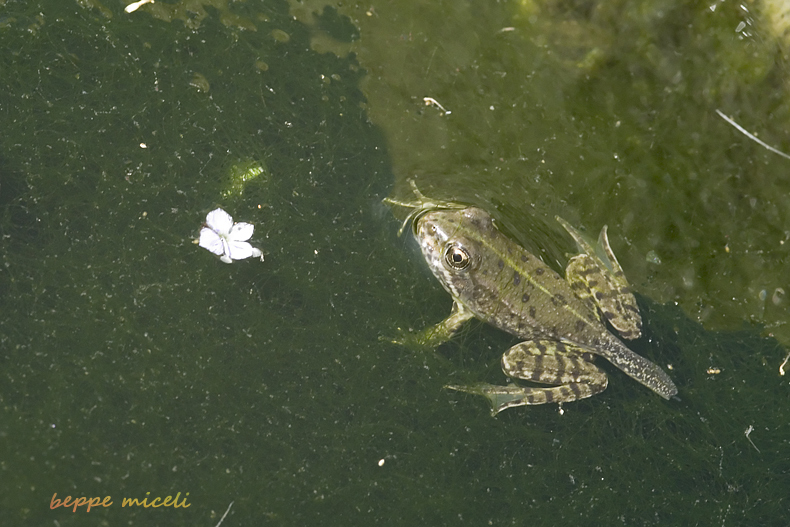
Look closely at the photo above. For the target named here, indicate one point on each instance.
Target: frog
(563, 322)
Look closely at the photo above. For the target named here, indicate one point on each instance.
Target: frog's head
(451, 244)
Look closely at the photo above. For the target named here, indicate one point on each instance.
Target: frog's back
(515, 291)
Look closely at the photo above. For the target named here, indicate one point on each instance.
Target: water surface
(135, 362)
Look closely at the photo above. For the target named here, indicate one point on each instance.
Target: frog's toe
(499, 397)
(467, 389)
(422, 340)
(391, 340)
(404, 337)
(512, 395)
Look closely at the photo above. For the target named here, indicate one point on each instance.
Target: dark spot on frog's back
(501, 264)
(516, 278)
(525, 298)
(532, 311)
(558, 299)
(524, 258)
(539, 271)
(580, 325)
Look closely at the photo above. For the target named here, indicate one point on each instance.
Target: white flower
(222, 237)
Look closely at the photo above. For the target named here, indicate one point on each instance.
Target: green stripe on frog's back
(507, 302)
(532, 297)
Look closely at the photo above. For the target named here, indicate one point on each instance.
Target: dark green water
(133, 361)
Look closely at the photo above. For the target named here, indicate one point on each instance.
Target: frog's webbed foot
(566, 367)
(597, 278)
(421, 205)
(513, 395)
(433, 336)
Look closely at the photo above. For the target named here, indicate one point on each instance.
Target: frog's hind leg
(567, 367)
(606, 294)
(597, 278)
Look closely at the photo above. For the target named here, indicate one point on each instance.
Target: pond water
(136, 364)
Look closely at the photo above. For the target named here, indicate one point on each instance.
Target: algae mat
(136, 365)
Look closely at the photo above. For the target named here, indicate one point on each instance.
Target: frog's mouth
(431, 239)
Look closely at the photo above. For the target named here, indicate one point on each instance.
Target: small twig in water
(746, 433)
(231, 505)
(131, 8)
(751, 136)
(430, 101)
(782, 366)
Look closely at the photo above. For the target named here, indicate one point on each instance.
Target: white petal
(225, 258)
(241, 232)
(211, 240)
(256, 253)
(220, 221)
(240, 250)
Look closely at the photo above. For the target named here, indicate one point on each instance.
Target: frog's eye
(456, 257)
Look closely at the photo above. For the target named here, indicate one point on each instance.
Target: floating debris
(131, 8)
(751, 136)
(242, 173)
(430, 101)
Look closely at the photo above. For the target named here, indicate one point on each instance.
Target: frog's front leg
(596, 277)
(567, 367)
(433, 336)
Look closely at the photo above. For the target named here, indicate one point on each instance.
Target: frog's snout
(431, 239)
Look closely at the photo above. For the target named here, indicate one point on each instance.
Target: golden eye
(456, 257)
